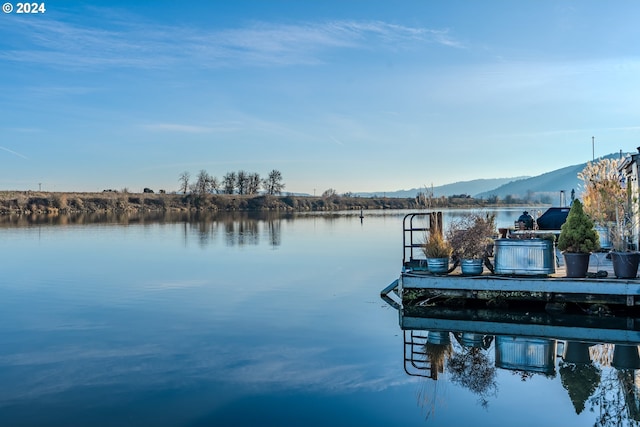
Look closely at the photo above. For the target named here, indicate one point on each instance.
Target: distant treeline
(29, 202)
(493, 200)
(241, 182)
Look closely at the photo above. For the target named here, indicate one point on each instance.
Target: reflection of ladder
(415, 227)
(416, 362)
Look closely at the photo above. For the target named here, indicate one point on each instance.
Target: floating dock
(600, 292)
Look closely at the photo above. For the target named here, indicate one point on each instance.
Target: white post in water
(562, 201)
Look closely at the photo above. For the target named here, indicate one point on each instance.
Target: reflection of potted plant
(580, 381)
(470, 238)
(577, 240)
(438, 251)
(626, 357)
(437, 348)
(473, 369)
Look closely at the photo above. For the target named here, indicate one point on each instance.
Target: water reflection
(236, 228)
(598, 365)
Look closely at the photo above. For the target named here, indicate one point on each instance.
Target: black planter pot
(576, 352)
(626, 357)
(625, 264)
(576, 264)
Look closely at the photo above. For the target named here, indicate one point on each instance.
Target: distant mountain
(463, 187)
(550, 183)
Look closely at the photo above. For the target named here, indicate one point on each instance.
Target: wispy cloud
(263, 369)
(579, 131)
(336, 140)
(176, 127)
(15, 153)
(133, 43)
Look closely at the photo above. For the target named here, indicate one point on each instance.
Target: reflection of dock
(528, 342)
(591, 329)
(598, 364)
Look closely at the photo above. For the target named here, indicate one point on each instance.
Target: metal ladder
(416, 361)
(414, 228)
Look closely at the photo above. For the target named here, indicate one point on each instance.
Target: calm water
(239, 321)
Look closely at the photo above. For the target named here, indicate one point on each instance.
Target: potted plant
(604, 198)
(624, 257)
(470, 237)
(438, 251)
(608, 201)
(625, 261)
(577, 240)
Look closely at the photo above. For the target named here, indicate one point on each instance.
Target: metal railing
(416, 361)
(415, 228)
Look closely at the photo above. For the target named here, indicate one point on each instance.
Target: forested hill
(565, 179)
(462, 187)
(548, 184)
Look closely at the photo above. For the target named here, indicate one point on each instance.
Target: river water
(241, 320)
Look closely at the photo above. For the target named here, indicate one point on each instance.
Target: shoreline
(43, 202)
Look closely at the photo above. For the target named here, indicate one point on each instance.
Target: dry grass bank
(40, 202)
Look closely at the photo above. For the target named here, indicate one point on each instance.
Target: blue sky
(350, 95)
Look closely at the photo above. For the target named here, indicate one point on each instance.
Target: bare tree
(242, 182)
(229, 183)
(184, 181)
(203, 182)
(273, 184)
(254, 182)
(330, 192)
(214, 185)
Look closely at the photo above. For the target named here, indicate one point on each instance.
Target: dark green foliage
(577, 234)
(580, 381)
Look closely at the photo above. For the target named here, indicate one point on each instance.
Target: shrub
(604, 195)
(577, 234)
(436, 246)
(470, 235)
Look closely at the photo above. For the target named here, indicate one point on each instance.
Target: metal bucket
(471, 267)
(526, 354)
(474, 340)
(528, 257)
(438, 265)
(438, 337)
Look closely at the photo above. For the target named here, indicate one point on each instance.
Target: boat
(553, 218)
